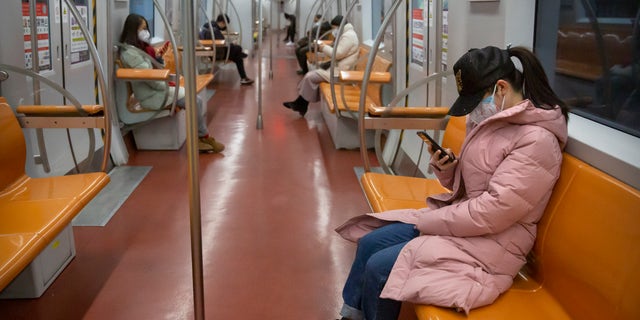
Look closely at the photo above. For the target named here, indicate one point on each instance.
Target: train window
(594, 55)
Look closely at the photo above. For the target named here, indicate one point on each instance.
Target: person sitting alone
(346, 58)
(305, 44)
(154, 95)
(235, 51)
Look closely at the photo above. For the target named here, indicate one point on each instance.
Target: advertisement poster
(79, 47)
(42, 34)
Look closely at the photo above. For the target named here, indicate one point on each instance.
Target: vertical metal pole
(271, 40)
(35, 55)
(189, 67)
(101, 80)
(259, 120)
(438, 58)
(35, 66)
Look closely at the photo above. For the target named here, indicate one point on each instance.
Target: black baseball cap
(475, 72)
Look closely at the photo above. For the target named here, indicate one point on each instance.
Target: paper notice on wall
(42, 36)
(417, 37)
(79, 47)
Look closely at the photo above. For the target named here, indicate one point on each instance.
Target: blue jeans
(375, 256)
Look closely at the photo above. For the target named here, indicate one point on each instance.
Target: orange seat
(387, 192)
(585, 260)
(350, 89)
(33, 211)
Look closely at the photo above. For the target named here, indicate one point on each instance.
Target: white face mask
(485, 109)
(334, 32)
(144, 35)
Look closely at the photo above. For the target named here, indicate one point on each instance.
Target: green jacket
(151, 94)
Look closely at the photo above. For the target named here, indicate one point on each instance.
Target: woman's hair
(129, 33)
(536, 85)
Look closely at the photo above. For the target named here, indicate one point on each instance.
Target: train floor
(269, 203)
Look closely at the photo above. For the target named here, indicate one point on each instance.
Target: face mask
(485, 109)
(144, 35)
(334, 32)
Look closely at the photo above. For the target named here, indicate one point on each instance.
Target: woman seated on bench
(235, 51)
(306, 43)
(346, 56)
(465, 248)
(153, 94)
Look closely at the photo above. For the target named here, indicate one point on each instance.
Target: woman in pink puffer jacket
(465, 247)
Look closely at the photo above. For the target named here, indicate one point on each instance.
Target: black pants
(301, 55)
(236, 55)
(291, 34)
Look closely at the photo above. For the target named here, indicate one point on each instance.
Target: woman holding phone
(464, 248)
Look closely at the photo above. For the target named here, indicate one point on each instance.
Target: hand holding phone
(435, 146)
(164, 48)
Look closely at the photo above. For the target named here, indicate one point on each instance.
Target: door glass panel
(43, 35)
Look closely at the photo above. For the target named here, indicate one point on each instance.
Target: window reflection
(597, 61)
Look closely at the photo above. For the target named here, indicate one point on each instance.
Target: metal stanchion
(189, 68)
(259, 120)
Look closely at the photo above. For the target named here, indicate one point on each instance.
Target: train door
(63, 59)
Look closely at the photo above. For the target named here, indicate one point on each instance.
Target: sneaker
(290, 44)
(209, 144)
(246, 81)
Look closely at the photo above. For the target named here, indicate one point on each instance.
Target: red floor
(270, 203)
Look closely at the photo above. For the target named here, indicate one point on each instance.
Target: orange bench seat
(33, 211)
(585, 259)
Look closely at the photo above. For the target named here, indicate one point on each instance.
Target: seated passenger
(346, 57)
(291, 29)
(235, 51)
(305, 44)
(156, 95)
(465, 247)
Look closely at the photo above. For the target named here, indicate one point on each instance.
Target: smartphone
(434, 145)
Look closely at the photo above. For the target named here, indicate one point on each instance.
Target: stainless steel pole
(101, 80)
(35, 66)
(189, 68)
(259, 120)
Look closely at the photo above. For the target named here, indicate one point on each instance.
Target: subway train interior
(179, 159)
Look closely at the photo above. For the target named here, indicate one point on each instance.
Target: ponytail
(534, 82)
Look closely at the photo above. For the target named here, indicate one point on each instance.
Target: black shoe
(289, 105)
(301, 72)
(302, 110)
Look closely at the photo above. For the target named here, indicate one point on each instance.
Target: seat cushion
(511, 305)
(389, 192)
